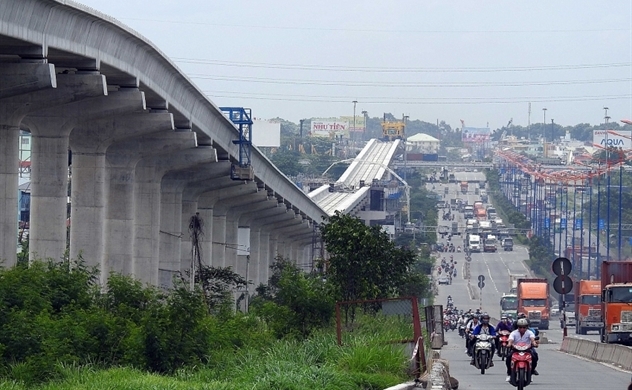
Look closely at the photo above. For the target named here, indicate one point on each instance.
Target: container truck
(489, 245)
(464, 186)
(616, 301)
(587, 306)
(513, 282)
(474, 242)
(533, 301)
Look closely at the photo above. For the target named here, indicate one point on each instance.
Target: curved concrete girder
(50, 130)
(24, 78)
(89, 144)
(158, 216)
(105, 39)
(121, 159)
(12, 111)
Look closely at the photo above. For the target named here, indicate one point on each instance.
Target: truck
(455, 228)
(509, 305)
(507, 244)
(468, 212)
(484, 196)
(474, 243)
(616, 301)
(489, 244)
(513, 282)
(533, 301)
(587, 306)
(464, 186)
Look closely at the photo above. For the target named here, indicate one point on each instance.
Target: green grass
(365, 362)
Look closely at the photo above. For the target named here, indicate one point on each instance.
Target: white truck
(474, 243)
(513, 282)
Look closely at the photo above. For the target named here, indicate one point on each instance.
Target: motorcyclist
(483, 328)
(504, 324)
(522, 335)
(469, 328)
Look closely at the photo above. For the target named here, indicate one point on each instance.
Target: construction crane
(242, 119)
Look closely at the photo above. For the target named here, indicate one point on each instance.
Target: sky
(482, 62)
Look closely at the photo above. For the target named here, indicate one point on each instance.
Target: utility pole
(607, 119)
(354, 119)
(301, 127)
(365, 114)
(546, 154)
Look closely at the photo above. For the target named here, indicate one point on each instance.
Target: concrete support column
(88, 145)
(170, 222)
(119, 219)
(121, 159)
(21, 82)
(230, 253)
(273, 242)
(9, 168)
(219, 241)
(50, 129)
(255, 259)
(189, 209)
(209, 231)
(264, 256)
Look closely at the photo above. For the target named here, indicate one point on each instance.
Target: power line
(406, 84)
(336, 68)
(407, 101)
(409, 31)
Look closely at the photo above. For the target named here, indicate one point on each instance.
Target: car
(443, 280)
(555, 309)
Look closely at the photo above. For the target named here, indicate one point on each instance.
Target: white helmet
(522, 322)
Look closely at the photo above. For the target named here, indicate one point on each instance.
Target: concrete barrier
(618, 355)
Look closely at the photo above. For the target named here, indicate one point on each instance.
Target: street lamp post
(354, 119)
(544, 124)
(365, 115)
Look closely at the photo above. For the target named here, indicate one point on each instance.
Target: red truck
(616, 301)
(533, 301)
(588, 306)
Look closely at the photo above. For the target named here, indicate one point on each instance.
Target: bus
(509, 305)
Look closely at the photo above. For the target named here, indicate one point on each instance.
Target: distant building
(25, 153)
(422, 143)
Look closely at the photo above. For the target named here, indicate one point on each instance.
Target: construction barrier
(618, 355)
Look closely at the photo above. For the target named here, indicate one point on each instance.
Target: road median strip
(617, 355)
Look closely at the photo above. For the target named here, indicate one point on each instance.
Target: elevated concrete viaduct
(142, 147)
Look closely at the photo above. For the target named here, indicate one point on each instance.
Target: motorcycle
(483, 352)
(521, 366)
(453, 325)
(458, 249)
(503, 350)
(462, 331)
(446, 325)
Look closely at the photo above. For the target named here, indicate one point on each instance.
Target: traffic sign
(481, 278)
(563, 223)
(547, 223)
(562, 266)
(481, 284)
(578, 224)
(469, 258)
(563, 284)
(602, 224)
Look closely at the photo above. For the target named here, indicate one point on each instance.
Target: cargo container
(587, 306)
(533, 301)
(422, 157)
(616, 301)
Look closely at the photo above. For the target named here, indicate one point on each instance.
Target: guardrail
(618, 355)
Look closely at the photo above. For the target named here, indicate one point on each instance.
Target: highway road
(495, 267)
(558, 370)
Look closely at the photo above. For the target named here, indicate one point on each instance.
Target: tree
(364, 263)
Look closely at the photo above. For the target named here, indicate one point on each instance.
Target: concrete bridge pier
(158, 212)
(221, 192)
(88, 145)
(51, 129)
(121, 160)
(23, 87)
(223, 207)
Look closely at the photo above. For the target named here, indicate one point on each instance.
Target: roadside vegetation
(59, 329)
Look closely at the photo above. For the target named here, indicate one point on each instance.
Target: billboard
(476, 134)
(327, 128)
(266, 133)
(359, 123)
(615, 139)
